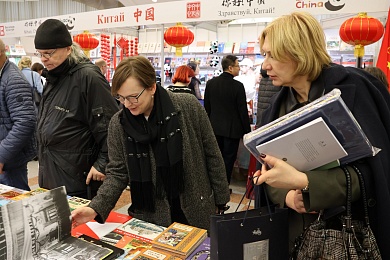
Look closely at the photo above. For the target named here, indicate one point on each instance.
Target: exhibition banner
(192, 11)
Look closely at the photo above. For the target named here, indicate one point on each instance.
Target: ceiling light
(154, 1)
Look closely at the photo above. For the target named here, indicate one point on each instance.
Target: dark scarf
(162, 132)
(56, 73)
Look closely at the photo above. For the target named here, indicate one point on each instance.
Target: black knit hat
(52, 34)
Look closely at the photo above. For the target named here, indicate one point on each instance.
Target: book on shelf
(38, 227)
(243, 47)
(179, 239)
(250, 48)
(152, 47)
(145, 47)
(202, 252)
(221, 46)
(200, 45)
(158, 47)
(334, 112)
(228, 48)
(236, 47)
(306, 147)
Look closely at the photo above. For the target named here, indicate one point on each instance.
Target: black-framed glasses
(131, 99)
(45, 55)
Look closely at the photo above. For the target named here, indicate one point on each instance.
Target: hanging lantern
(361, 30)
(87, 41)
(178, 36)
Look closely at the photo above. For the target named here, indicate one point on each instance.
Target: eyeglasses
(131, 99)
(235, 65)
(45, 55)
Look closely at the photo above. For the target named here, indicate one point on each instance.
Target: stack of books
(179, 240)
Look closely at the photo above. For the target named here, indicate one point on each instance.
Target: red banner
(384, 55)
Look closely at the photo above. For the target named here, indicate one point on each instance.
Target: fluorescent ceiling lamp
(252, 20)
(154, 1)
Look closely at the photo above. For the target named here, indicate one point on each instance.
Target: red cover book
(96, 230)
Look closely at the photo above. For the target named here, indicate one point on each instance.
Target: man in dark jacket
(225, 104)
(74, 113)
(17, 124)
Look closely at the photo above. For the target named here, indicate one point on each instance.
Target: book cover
(180, 239)
(152, 47)
(228, 48)
(116, 251)
(97, 230)
(155, 254)
(200, 45)
(250, 48)
(77, 202)
(4, 200)
(334, 112)
(221, 46)
(306, 147)
(158, 47)
(243, 47)
(202, 252)
(38, 227)
(133, 247)
(167, 47)
(145, 47)
(236, 47)
(29, 193)
(134, 228)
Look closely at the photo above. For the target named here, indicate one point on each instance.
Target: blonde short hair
(25, 62)
(298, 37)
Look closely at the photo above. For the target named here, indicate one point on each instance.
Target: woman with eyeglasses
(162, 144)
(74, 112)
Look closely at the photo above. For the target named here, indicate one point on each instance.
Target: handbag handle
(349, 196)
(348, 217)
(250, 200)
(363, 194)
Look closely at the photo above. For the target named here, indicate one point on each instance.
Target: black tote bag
(252, 234)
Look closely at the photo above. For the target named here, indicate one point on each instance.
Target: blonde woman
(32, 77)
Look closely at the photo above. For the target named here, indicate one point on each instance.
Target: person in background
(32, 77)
(195, 82)
(226, 107)
(296, 58)
(162, 143)
(102, 64)
(248, 78)
(38, 67)
(181, 79)
(266, 91)
(17, 124)
(379, 74)
(74, 114)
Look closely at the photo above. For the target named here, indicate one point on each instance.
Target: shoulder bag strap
(32, 78)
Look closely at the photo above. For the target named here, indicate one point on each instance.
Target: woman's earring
(152, 96)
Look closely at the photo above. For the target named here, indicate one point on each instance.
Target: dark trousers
(229, 148)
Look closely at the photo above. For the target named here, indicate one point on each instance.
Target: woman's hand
(279, 174)
(82, 215)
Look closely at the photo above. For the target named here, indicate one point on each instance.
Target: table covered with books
(37, 225)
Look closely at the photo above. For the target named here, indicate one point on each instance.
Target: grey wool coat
(205, 182)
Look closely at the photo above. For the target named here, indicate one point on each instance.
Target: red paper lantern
(178, 36)
(361, 30)
(87, 41)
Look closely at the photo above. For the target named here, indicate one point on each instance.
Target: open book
(337, 116)
(306, 147)
(38, 227)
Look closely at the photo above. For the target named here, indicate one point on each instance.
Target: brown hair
(37, 67)
(182, 73)
(137, 67)
(378, 73)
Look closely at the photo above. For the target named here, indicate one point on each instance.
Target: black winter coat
(369, 102)
(72, 128)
